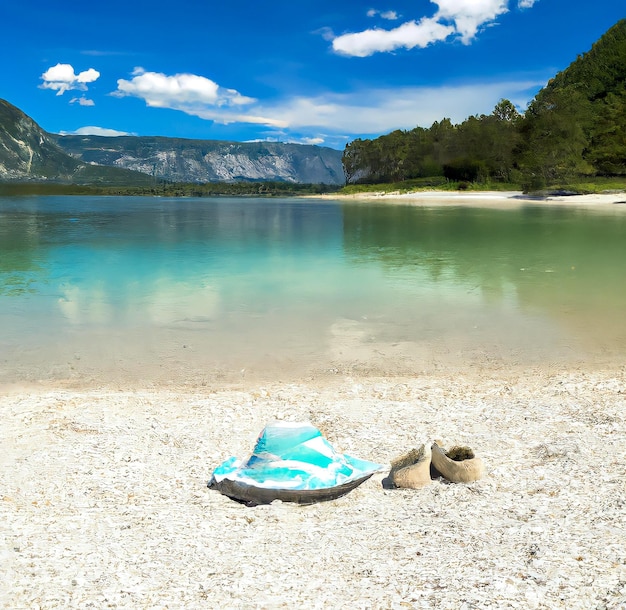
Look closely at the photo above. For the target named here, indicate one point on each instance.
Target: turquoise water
(153, 290)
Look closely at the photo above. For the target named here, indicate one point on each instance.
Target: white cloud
(384, 110)
(408, 36)
(390, 15)
(82, 101)
(461, 17)
(99, 53)
(61, 78)
(161, 91)
(311, 140)
(195, 95)
(321, 119)
(286, 139)
(469, 15)
(92, 130)
(326, 33)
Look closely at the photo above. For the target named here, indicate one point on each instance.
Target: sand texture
(104, 501)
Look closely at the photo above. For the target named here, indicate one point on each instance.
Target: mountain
(182, 160)
(28, 153)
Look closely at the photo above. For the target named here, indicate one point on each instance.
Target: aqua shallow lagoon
(151, 290)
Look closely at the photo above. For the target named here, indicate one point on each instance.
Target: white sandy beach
(505, 199)
(104, 502)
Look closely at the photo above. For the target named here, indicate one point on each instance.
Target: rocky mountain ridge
(28, 153)
(184, 160)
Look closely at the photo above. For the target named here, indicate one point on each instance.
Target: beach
(104, 498)
(506, 199)
(105, 502)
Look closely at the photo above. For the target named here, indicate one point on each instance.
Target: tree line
(163, 188)
(574, 128)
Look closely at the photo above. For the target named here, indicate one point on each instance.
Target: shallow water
(197, 291)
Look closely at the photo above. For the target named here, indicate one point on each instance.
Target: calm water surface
(151, 290)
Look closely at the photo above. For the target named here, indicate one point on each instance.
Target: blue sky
(323, 72)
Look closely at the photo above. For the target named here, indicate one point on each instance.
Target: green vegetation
(583, 186)
(438, 183)
(572, 137)
(167, 189)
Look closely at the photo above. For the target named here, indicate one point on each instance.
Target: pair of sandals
(418, 467)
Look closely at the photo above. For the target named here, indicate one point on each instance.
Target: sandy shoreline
(487, 198)
(104, 498)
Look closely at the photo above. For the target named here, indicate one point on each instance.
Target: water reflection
(106, 259)
(243, 281)
(19, 254)
(569, 263)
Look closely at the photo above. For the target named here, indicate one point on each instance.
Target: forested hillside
(575, 127)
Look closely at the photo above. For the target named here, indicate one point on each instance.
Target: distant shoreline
(483, 198)
(468, 198)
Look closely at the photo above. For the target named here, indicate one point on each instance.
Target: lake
(124, 290)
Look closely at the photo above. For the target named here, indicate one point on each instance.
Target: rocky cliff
(28, 153)
(181, 160)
